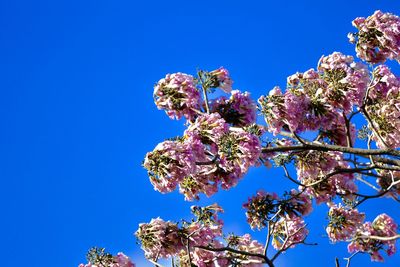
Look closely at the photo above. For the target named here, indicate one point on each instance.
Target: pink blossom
(343, 223)
(288, 231)
(247, 244)
(222, 79)
(378, 37)
(159, 239)
(319, 172)
(168, 164)
(209, 127)
(383, 107)
(119, 260)
(382, 226)
(346, 81)
(239, 110)
(238, 150)
(178, 96)
(260, 208)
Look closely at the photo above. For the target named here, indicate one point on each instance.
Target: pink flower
(288, 232)
(159, 239)
(382, 226)
(343, 223)
(168, 164)
(260, 208)
(178, 96)
(208, 127)
(384, 107)
(239, 110)
(378, 37)
(319, 171)
(119, 260)
(222, 79)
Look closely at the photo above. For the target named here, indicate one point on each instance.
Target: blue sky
(77, 113)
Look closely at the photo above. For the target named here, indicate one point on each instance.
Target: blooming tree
(313, 121)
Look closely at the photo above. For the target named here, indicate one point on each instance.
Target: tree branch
(245, 253)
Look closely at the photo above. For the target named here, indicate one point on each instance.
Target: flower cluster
(343, 223)
(220, 78)
(239, 110)
(265, 207)
(383, 107)
(247, 244)
(370, 237)
(288, 231)
(315, 99)
(324, 175)
(168, 164)
(260, 208)
(211, 154)
(219, 144)
(389, 181)
(178, 96)
(98, 258)
(161, 239)
(378, 37)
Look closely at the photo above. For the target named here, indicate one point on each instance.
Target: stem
(205, 98)
(204, 89)
(348, 134)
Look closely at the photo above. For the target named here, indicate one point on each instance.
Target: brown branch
(348, 134)
(382, 238)
(327, 148)
(245, 253)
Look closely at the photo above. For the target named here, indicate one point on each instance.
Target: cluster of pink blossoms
(160, 239)
(265, 207)
(168, 164)
(222, 142)
(390, 181)
(384, 107)
(217, 148)
(210, 154)
(179, 93)
(289, 231)
(119, 260)
(178, 96)
(378, 37)
(239, 110)
(343, 223)
(315, 99)
(221, 78)
(370, 237)
(321, 173)
(283, 216)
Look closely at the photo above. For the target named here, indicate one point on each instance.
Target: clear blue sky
(77, 115)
